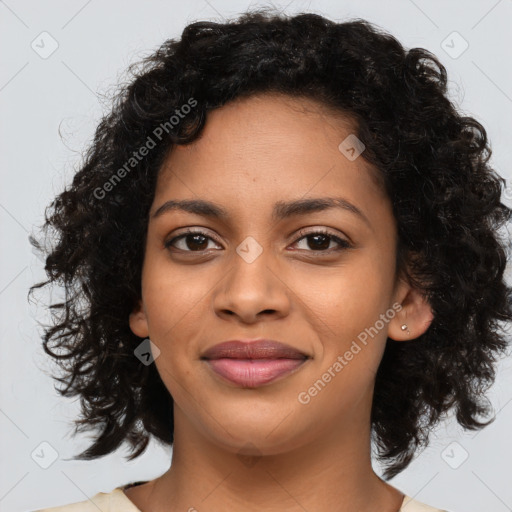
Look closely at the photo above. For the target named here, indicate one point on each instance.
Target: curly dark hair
(433, 162)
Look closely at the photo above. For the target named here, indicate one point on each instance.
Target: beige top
(117, 501)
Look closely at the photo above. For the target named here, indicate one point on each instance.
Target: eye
(321, 239)
(191, 241)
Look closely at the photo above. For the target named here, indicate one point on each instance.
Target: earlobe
(138, 321)
(413, 319)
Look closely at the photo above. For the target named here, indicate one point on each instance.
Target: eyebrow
(282, 210)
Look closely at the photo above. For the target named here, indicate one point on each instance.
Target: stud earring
(404, 327)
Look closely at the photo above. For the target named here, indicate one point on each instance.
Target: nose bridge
(251, 284)
(251, 268)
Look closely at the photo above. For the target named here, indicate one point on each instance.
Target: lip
(253, 363)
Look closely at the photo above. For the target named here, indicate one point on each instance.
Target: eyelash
(342, 244)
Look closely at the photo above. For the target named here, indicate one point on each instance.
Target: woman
(267, 232)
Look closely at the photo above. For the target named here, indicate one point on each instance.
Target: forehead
(269, 145)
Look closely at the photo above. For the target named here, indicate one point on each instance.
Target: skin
(253, 153)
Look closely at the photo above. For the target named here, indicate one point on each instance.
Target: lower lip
(252, 373)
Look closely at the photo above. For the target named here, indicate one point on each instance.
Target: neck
(206, 476)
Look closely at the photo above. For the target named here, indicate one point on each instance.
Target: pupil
(320, 245)
(195, 237)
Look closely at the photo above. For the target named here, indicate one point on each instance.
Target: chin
(260, 439)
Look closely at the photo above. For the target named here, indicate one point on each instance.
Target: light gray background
(96, 42)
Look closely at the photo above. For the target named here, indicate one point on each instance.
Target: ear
(138, 321)
(415, 313)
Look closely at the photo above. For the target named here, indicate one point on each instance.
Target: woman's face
(254, 273)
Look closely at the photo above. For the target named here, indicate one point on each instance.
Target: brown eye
(321, 241)
(191, 241)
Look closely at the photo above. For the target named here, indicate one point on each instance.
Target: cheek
(353, 294)
(177, 302)
(344, 308)
(173, 298)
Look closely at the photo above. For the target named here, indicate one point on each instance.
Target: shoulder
(411, 505)
(114, 501)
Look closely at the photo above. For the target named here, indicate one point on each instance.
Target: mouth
(253, 363)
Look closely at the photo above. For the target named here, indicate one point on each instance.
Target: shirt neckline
(406, 499)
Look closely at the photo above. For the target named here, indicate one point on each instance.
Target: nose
(252, 289)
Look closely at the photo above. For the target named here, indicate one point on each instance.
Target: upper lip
(253, 349)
